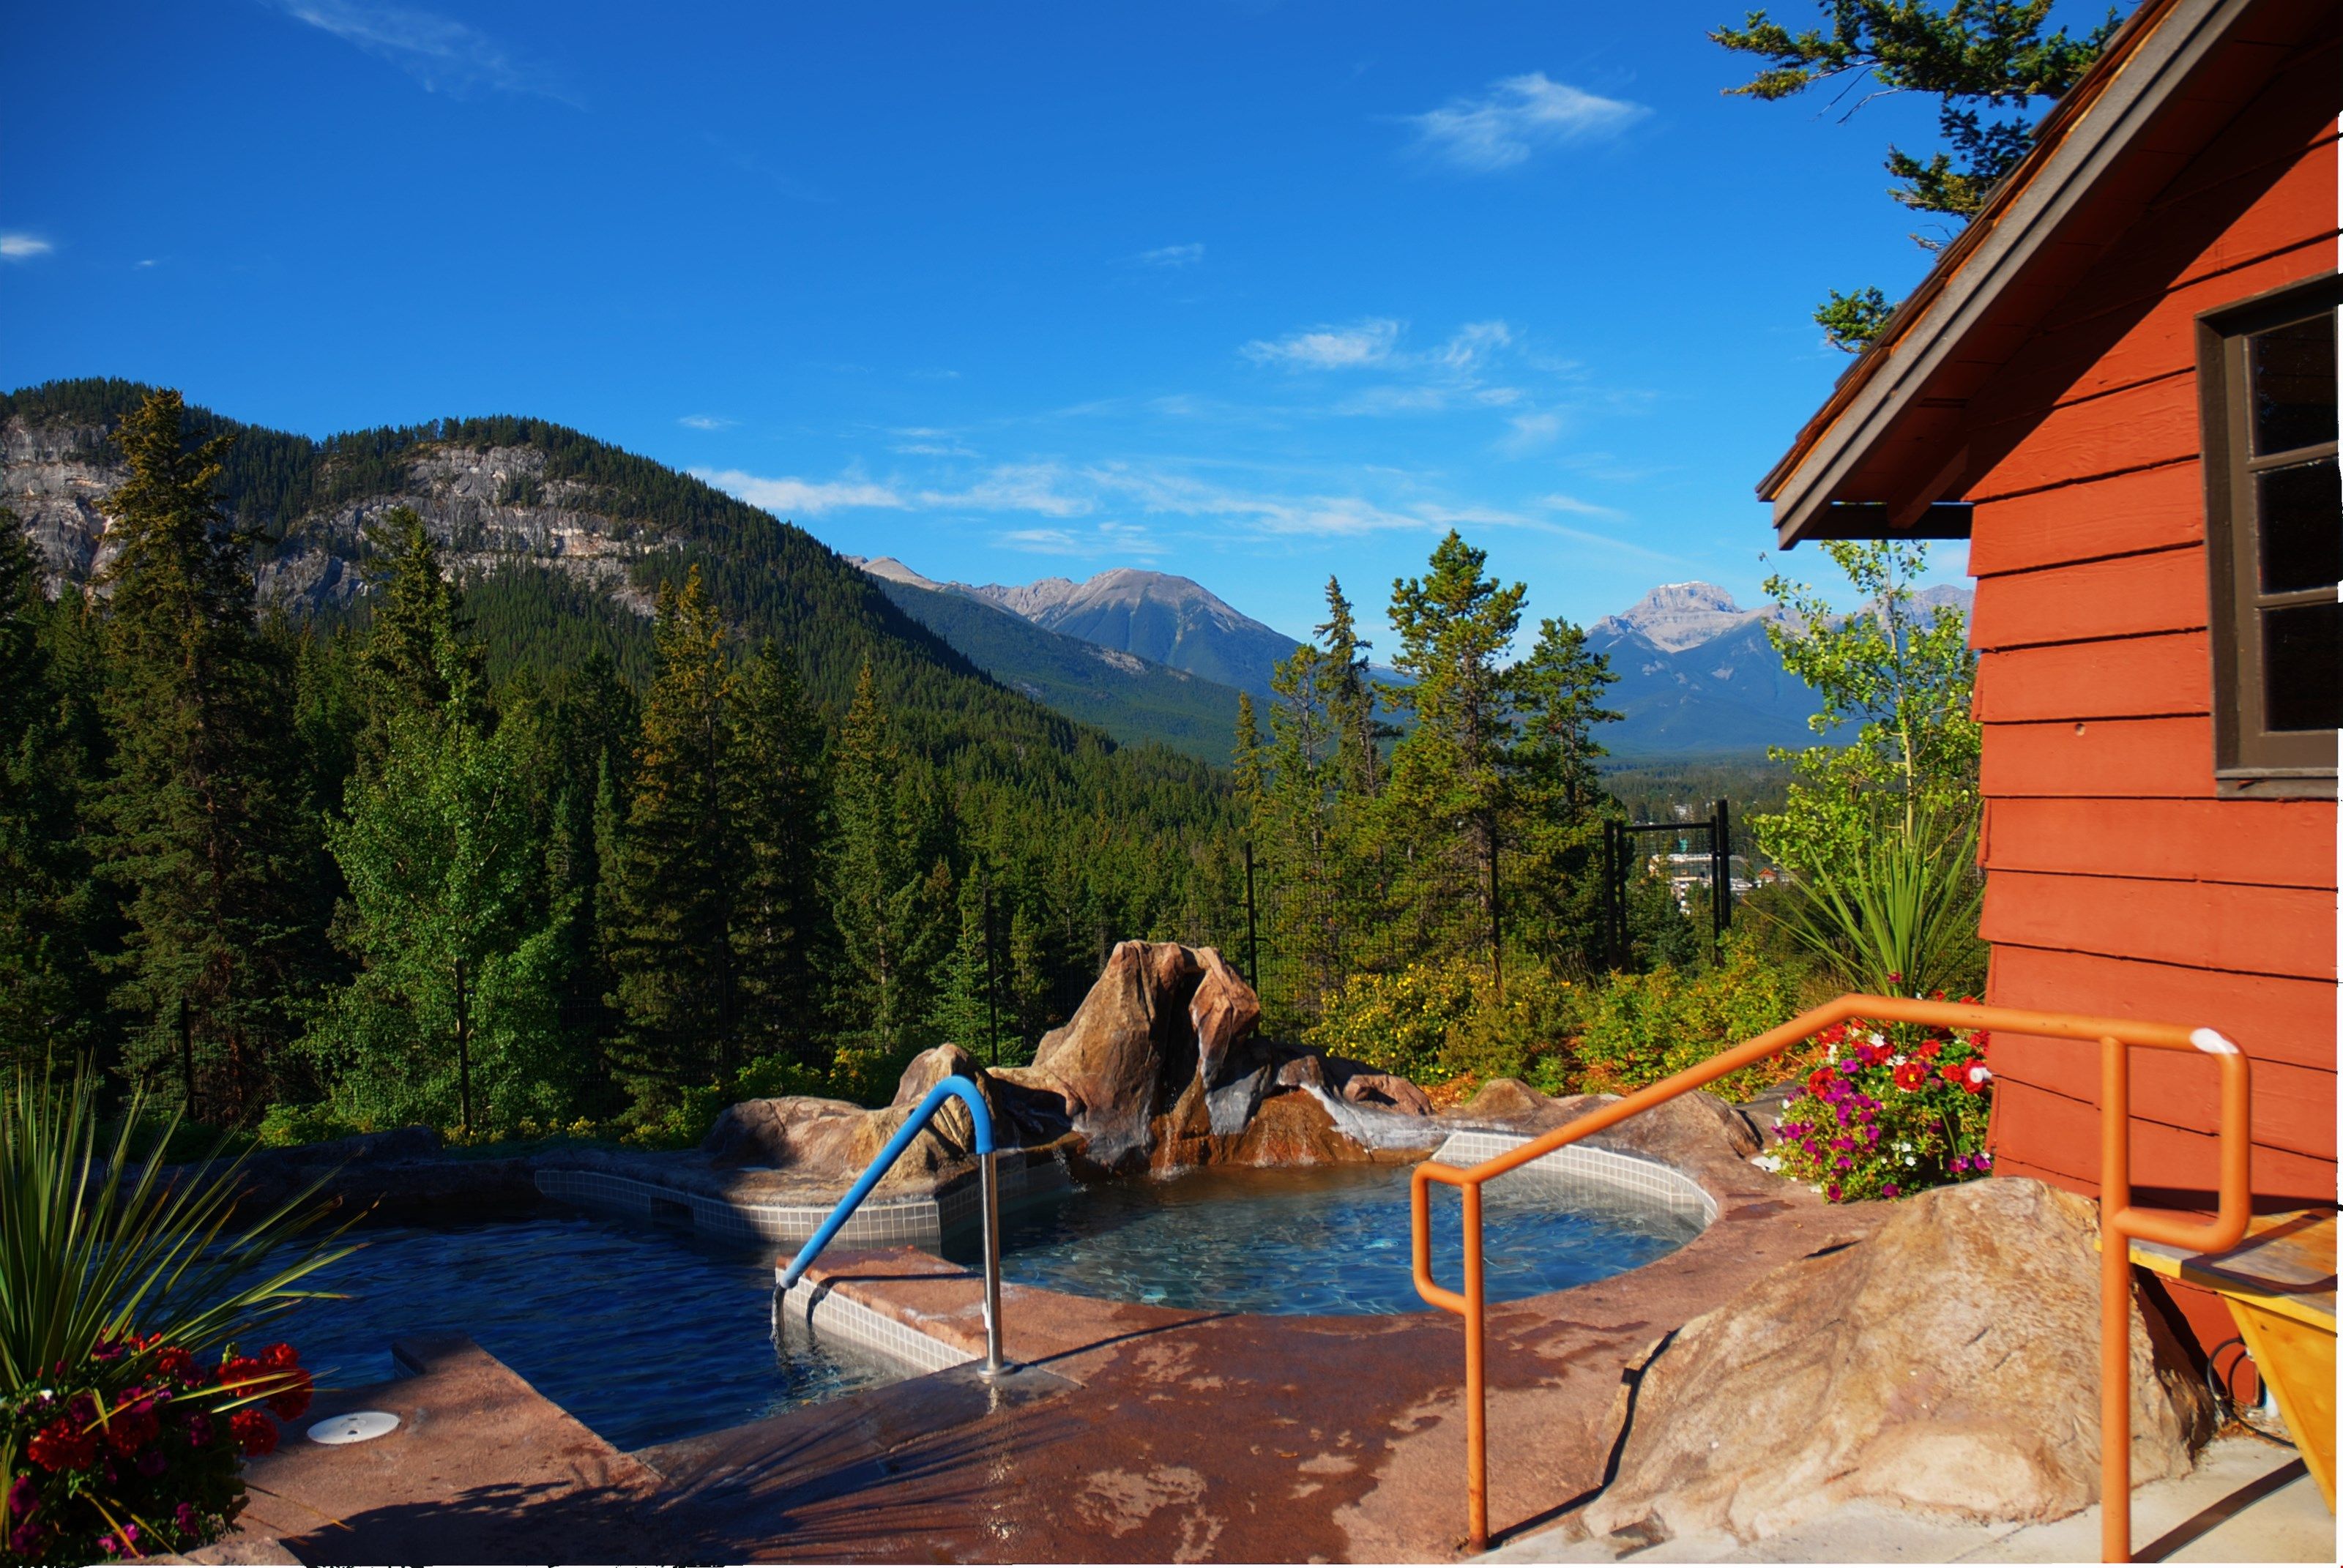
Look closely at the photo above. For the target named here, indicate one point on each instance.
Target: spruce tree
(206, 826)
(775, 800)
(52, 995)
(418, 645)
(670, 947)
(1557, 805)
(889, 893)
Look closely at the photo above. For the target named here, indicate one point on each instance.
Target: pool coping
(896, 1313)
(918, 1220)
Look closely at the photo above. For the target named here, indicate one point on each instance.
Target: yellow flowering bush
(1431, 1023)
(1644, 1028)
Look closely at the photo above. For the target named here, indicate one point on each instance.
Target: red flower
(281, 1355)
(253, 1433)
(175, 1363)
(293, 1399)
(1974, 1077)
(1911, 1075)
(61, 1446)
(1929, 1047)
(128, 1431)
(1816, 1078)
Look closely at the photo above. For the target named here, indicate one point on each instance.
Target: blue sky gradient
(1254, 293)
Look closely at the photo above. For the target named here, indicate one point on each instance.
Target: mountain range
(564, 540)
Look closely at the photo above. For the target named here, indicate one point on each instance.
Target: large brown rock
(1222, 1013)
(797, 1133)
(1131, 1047)
(1949, 1364)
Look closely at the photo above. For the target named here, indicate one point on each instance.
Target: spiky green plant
(96, 1246)
(1895, 911)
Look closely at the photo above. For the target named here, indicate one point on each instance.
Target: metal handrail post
(989, 1175)
(2119, 1222)
(989, 1186)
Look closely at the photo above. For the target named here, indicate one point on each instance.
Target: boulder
(1157, 1018)
(796, 1133)
(1388, 1091)
(1504, 1099)
(1223, 1012)
(1947, 1365)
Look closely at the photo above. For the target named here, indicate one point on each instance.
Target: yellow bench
(2279, 1283)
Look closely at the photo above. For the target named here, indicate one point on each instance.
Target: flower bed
(1895, 1107)
(137, 1450)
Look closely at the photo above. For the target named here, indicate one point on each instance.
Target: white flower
(1879, 1039)
(1896, 1061)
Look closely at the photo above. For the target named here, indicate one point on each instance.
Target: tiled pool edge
(1578, 1170)
(1576, 1173)
(921, 1222)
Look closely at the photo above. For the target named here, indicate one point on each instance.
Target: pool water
(1314, 1240)
(645, 1335)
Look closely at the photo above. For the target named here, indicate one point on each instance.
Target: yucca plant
(116, 1275)
(1894, 911)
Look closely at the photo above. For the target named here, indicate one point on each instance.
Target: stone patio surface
(1127, 1433)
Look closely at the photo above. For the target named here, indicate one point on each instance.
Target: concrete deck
(1129, 1434)
(2248, 1501)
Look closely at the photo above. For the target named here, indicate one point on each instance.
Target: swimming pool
(645, 1335)
(1311, 1240)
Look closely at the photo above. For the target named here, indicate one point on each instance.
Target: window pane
(2302, 667)
(2300, 510)
(2294, 385)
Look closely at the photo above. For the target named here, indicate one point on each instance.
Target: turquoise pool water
(645, 1335)
(1323, 1239)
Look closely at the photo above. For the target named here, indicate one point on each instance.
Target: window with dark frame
(2274, 537)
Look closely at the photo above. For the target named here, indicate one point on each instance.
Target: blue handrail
(967, 1093)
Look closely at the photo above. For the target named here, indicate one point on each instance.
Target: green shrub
(1431, 1023)
(1644, 1028)
(285, 1125)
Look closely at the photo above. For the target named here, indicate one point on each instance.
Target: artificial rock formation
(1948, 1364)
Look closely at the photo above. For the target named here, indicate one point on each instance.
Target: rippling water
(1326, 1239)
(645, 1335)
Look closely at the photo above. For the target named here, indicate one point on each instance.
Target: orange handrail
(2117, 1218)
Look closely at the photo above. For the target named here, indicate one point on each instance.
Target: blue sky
(1254, 293)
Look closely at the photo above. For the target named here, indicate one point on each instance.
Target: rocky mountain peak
(1673, 617)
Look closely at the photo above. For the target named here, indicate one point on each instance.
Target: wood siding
(2117, 880)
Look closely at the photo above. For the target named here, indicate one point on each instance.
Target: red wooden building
(2120, 385)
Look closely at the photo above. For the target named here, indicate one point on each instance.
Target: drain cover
(357, 1426)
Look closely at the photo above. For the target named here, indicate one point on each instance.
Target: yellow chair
(2279, 1283)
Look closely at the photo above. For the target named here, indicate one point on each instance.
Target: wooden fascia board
(1973, 278)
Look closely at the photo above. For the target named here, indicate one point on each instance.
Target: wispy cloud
(793, 497)
(23, 247)
(1170, 255)
(1353, 348)
(440, 52)
(707, 422)
(1516, 117)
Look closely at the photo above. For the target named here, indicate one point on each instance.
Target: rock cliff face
(488, 509)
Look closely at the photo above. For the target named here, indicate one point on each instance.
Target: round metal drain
(358, 1426)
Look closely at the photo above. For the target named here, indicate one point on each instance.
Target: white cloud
(23, 247)
(1035, 488)
(1561, 503)
(1170, 255)
(1516, 117)
(440, 52)
(1367, 343)
(707, 422)
(1532, 430)
(792, 497)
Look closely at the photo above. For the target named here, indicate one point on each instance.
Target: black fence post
(992, 987)
(187, 1059)
(1253, 929)
(1720, 897)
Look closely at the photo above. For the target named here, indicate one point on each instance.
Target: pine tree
(965, 1008)
(774, 791)
(418, 648)
(889, 892)
(1448, 787)
(52, 995)
(671, 950)
(1351, 703)
(209, 831)
(1553, 836)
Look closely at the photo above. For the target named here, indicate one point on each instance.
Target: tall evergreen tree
(1449, 784)
(1557, 799)
(52, 995)
(419, 647)
(208, 829)
(889, 891)
(671, 925)
(775, 800)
